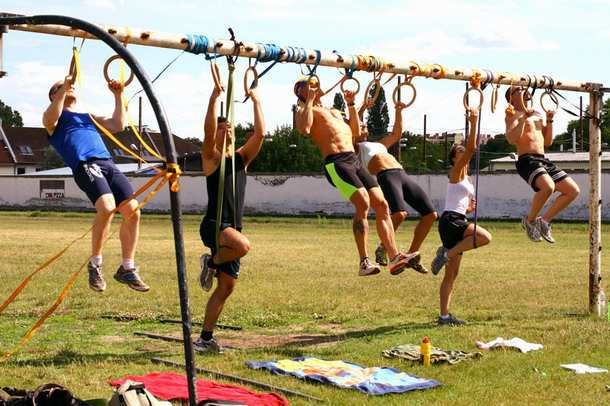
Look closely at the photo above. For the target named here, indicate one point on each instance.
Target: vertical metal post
(139, 130)
(582, 129)
(466, 123)
(424, 140)
(595, 202)
(3, 30)
(294, 116)
(446, 150)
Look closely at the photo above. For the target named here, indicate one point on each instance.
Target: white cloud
(103, 4)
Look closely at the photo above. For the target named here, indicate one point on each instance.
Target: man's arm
(353, 116)
(396, 133)
(116, 123)
(208, 148)
(253, 145)
(304, 116)
(51, 115)
(547, 130)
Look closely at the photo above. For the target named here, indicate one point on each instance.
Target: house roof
(125, 168)
(29, 144)
(558, 157)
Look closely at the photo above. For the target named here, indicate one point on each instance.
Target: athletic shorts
(531, 166)
(345, 172)
(98, 177)
(207, 231)
(451, 227)
(400, 190)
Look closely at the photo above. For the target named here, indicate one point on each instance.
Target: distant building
(453, 138)
(565, 160)
(22, 149)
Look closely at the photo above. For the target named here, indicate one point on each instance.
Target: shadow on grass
(69, 357)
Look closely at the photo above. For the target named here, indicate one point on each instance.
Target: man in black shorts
(525, 130)
(398, 188)
(75, 137)
(333, 137)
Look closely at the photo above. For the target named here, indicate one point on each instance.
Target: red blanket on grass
(172, 386)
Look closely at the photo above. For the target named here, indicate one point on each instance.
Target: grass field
(299, 294)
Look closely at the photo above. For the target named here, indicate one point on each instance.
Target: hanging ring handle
(397, 88)
(345, 79)
(216, 75)
(254, 83)
(481, 97)
(368, 99)
(526, 105)
(107, 64)
(553, 98)
(314, 81)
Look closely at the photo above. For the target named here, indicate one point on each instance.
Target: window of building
(25, 150)
(20, 171)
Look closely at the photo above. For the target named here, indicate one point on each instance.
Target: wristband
(351, 104)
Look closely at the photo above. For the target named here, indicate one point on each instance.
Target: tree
(195, 141)
(378, 119)
(339, 102)
(10, 117)
(51, 159)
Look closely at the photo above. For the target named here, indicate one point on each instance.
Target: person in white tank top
(456, 233)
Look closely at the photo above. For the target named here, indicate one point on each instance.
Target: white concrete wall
(502, 196)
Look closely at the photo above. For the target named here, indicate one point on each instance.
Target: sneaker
(206, 277)
(440, 260)
(450, 321)
(96, 278)
(381, 257)
(131, 278)
(417, 266)
(212, 346)
(367, 268)
(402, 261)
(532, 231)
(544, 229)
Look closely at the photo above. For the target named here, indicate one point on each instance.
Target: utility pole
(294, 116)
(580, 126)
(446, 150)
(424, 140)
(139, 130)
(466, 125)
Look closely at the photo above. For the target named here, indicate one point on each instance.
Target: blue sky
(564, 39)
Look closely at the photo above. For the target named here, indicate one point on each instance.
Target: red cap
(426, 340)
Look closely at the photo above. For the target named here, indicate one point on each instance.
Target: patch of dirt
(253, 340)
(112, 339)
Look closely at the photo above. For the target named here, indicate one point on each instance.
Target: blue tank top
(76, 139)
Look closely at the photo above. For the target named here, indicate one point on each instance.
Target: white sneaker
(367, 268)
(402, 261)
(206, 277)
(531, 229)
(544, 229)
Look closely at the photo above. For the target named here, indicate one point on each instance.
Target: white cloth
(367, 150)
(584, 369)
(514, 342)
(459, 195)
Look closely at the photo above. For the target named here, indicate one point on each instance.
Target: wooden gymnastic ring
(373, 99)
(554, 99)
(523, 103)
(254, 84)
(216, 75)
(314, 79)
(494, 98)
(107, 64)
(345, 79)
(479, 91)
(395, 93)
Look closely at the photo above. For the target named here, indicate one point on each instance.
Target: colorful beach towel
(412, 352)
(373, 381)
(172, 386)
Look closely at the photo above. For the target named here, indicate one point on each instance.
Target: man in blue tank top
(75, 137)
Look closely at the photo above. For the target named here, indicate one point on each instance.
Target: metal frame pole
(595, 202)
(94, 31)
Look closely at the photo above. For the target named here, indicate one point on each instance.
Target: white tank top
(367, 150)
(458, 196)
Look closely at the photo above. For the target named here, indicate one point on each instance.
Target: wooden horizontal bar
(329, 59)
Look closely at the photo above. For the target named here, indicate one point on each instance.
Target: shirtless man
(525, 130)
(77, 140)
(334, 138)
(399, 189)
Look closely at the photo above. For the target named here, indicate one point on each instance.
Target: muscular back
(525, 132)
(329, 132)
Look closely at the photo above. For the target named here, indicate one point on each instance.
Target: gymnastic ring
(373, 99)
(254, 84)
(395, 93)
(72, 72)
(107, 64)
(216, 75)
(479, 91)
(524, 105)
(494, 98)
(314, 79)
(554, 99)
(345, 79)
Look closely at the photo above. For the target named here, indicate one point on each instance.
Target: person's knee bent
(361, 203)
(243, 247)
(573, 191)
(380, 205)
(105, 207)
(546, 188)
(483, 238)
(431, 217)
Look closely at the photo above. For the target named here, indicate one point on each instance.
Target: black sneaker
(211, 346)
(96, 278)
(206, 277)
(545, 230)
(439, 260)
(131, 278)
(381, 257)
(450, 321)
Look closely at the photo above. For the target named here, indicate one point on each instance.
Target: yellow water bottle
(426, 351)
